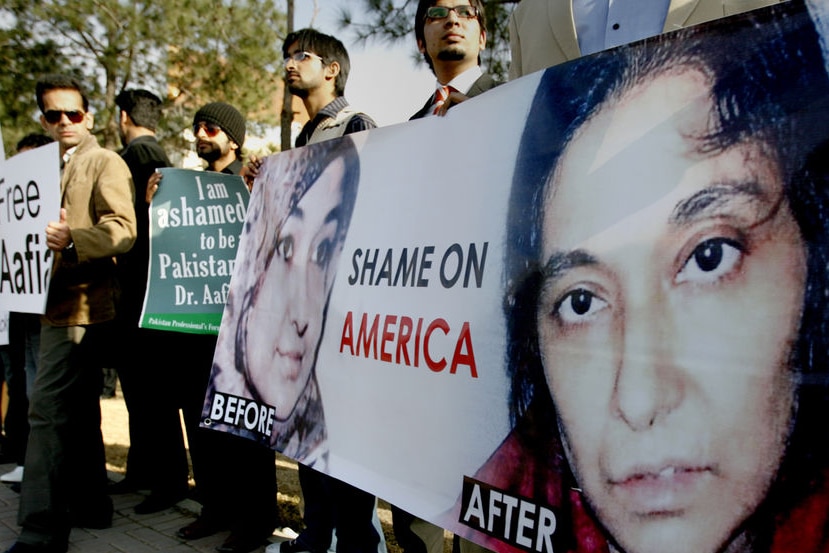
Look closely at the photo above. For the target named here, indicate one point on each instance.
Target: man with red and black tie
(451, 35)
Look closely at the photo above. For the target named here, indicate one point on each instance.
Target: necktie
(441, 94)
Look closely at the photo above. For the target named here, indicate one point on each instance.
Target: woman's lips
(291, 363)
(663, 491)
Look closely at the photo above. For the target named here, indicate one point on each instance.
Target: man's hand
(152, 186)
(250, 171)
(58, 234)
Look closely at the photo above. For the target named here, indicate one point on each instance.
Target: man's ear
(332, 69)
(90, 120)
(420, 47)
(482, 41)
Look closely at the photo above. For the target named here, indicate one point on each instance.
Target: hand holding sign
(58, 234)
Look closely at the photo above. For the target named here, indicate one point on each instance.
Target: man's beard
(452, 53)
(211, 155)
(298, 91)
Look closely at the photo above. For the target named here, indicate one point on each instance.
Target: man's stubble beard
(211, 155)
(299, 92)
(452, 53)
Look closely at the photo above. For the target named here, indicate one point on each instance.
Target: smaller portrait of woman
(667, 299)
(273, 324)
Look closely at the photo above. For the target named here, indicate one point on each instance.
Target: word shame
(456, 266)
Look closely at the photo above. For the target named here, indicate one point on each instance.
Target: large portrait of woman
(275, 315)
(666, 295)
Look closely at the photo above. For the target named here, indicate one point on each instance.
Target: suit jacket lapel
(481, 85)
(560, 17)
(424, 110)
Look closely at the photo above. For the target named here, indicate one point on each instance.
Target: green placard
(196, 218)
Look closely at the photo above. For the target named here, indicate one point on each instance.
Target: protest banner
(195, 221)
(29, 199)
(586, 309)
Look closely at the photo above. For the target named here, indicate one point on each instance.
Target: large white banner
(587, 309)
(29, 199)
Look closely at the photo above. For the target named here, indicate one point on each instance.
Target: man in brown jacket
(65, 481)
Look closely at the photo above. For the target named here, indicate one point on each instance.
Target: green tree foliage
(188, 51)
(393, 21)
(23, 60)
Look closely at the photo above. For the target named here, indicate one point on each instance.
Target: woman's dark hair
(769, 84)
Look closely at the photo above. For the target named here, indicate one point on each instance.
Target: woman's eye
(322, 253)
(578, 305)
(285, 247)
(711, 260)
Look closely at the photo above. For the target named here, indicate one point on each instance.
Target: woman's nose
(648, 383)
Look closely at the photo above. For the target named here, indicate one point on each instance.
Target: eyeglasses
(53, 116)
(210, 129)
(442, 12)
(300, 56)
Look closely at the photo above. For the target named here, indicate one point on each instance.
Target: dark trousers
(235, 477)
(65, 463)
(157, 458)
(22, 326)
(333, 505)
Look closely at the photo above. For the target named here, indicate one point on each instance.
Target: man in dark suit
(451, 34)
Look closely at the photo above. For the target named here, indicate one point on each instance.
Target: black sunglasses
(54, 116)
(210, 129)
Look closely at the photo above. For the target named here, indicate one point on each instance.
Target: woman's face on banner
(286, 321)
(671, 300)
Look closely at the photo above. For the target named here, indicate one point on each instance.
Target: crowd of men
(100, 244)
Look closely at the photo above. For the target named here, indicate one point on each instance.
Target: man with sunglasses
(65, 481)
(451, 35)
(235, 477)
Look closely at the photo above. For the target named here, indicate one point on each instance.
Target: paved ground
(130, 533)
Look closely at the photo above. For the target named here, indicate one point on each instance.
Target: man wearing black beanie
(219, 129)
(235, 477)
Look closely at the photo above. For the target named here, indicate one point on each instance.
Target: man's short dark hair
(420, 23)
(59, 82)
(34, 140)
(329, 48)
(142, 106)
